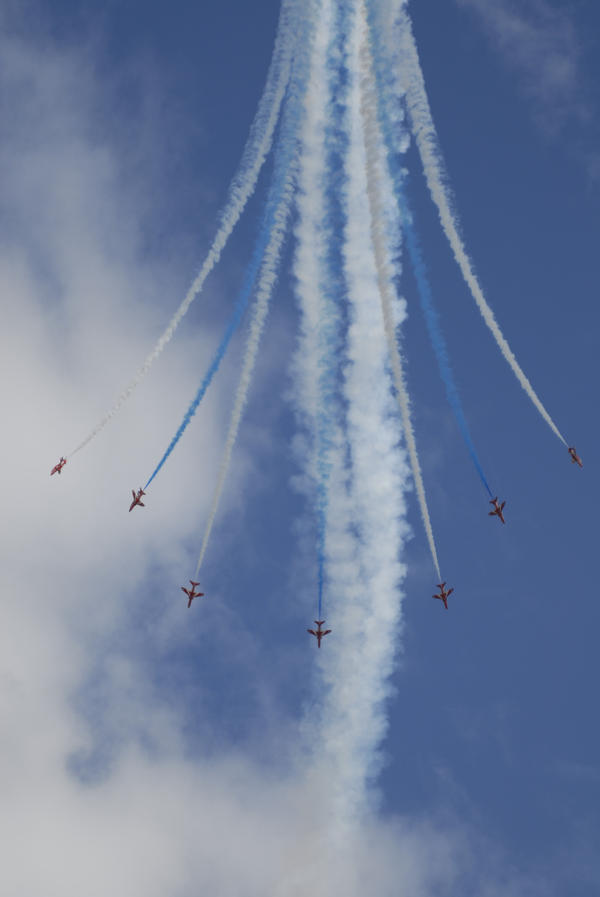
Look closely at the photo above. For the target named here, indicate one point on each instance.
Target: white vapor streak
(367, 528)
(268, 277)
(241, 188)
(429, 149)
(368, 108)
(311, 214)
(311, 358)
(327, 737)
(338, 731)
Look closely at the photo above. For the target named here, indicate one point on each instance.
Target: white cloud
(81, 303)
(540, 42)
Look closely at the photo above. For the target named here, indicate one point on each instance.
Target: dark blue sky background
(493, 720)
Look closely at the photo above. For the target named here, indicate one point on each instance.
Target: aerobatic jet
(192, 593)
(58, 467)
(137, 499)
(319, 634)
(497, 509)
(444, 594)
(575, 459)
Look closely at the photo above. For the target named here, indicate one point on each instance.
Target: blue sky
(180, 735)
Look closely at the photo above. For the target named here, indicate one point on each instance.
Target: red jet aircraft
(444, 594)
(137, 499)
(497, 509)
(575, 457)
(192, 593)
(319, 634)
(58, 467)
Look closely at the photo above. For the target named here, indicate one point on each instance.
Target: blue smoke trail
(397, 173)
(284, 157)
(435, 334)
(239, 309)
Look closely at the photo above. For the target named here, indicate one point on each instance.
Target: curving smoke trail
(286, 172)
(428, 144)
(389, 129)
(385, 274)
(267, 248)
(437, 339)
(255, 152)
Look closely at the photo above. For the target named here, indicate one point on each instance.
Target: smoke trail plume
(368, 108)
(329, 424)
(433, 167)
(315, 362)
(266, 284)
(366, 522)
(241, 188)
(270, 237)
(437, 339)
(390, 130)
(286, 171)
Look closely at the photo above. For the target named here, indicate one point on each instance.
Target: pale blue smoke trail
(385, 100)
(284, 157)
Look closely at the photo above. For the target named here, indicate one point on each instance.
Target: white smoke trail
(286, 166)
(268, 277)
(368, 107)
(366, 527)
(433, 167)
(325, 732)
(365, 520)
(309, 259)
(241, 188)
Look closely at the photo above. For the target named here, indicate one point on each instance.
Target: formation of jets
(58, 467)
(319, 633)
(137, 499)
(192, 593)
